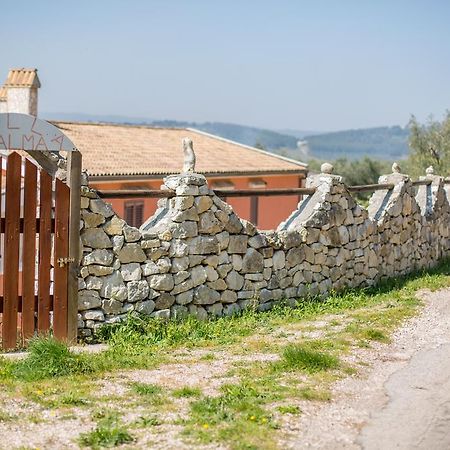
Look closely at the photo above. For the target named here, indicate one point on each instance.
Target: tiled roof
(2, 94)
(23, 78)
(125, 150)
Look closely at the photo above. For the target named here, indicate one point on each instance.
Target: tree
(429, 146)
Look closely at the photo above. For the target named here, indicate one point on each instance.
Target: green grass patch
(289, 409)
(186, 391)
(146, 389)
(109, 432)
(49, 358)
(303, 357)
(236, 416)
(147, 421)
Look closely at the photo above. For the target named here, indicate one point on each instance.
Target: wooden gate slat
(29, 250)
(62, 204)
(11, 256)
(45, 247)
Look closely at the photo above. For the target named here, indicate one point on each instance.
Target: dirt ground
(400, 399)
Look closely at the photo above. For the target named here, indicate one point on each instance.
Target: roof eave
(153, 176)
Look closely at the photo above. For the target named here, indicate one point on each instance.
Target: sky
(304, 65)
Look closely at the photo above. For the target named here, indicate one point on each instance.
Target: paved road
(401, 400)
(417, 415)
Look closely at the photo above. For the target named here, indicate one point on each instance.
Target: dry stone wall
(196, 256)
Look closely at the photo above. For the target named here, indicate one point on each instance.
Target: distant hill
(270, 140)
(381, 142)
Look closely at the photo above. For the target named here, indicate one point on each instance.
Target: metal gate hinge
(63, 261)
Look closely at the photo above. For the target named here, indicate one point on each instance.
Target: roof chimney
(21, 91)
(3, 100)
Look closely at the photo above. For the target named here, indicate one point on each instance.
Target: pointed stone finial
(326, 168)
(395, 168)
(429, 170)
(189, 156)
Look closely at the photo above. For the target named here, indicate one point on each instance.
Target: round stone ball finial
(429, 170)
(189, 155)
(327, 168)
(395, 168)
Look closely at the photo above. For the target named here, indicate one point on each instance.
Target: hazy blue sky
(314, 65)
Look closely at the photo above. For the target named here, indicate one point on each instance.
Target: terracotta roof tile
(115, 150)
(23, 78)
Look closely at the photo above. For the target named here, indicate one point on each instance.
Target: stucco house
(119, 156)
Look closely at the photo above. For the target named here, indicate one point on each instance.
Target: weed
(289, 409)
(147, 421)
(302, 357)
(375, 335)
(186, 391)
(6, 417)
(108, 433)
(146, 389)
(314, 394)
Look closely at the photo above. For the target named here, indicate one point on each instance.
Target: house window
(134, 213)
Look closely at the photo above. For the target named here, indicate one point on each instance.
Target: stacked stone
(434, 241)
(196, 256)
(339, 237)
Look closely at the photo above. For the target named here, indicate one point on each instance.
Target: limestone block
(92, 220)
(88, 299)
(185, 297)
(234, 281)
(98, 206)
(131, 272)
(99, 270)
(93, 282)
(146, 307)
(131, 234)
(228, 297)
(203, 295)
(101, 257)
(114, 287)
(279, 260)
(131, 253)
(95, 238)
(161, 282)
(237, 244)
(111, 306)
(253, 261)
(203, 203)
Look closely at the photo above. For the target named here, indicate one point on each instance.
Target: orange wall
(271, 210)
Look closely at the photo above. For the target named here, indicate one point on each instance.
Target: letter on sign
(24, 132)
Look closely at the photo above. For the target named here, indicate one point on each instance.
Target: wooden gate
(35, 240)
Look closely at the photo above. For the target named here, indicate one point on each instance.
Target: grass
(109, 432)
(146, 389)
(186, 392)
(147, 421)
(240, 414)
(302, 357)
(49, 358)
(289, 409)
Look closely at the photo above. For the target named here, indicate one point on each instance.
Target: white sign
(24, 132)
